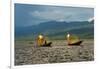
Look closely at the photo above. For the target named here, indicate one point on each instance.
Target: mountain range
(58, 29)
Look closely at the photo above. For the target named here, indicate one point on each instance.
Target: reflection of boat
(73, 40)
(42, 42)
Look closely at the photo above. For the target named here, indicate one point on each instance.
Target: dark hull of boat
(47, 44)
(76, 43)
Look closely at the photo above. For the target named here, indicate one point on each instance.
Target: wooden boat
(47, 44)
(42, 42)
(73, 40)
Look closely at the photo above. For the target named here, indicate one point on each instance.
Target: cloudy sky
(26, 15)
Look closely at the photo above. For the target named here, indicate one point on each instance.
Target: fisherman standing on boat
(68, 38)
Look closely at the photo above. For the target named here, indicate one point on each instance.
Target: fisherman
(68, 38)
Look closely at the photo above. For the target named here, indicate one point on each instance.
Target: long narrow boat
(41, 42)
(73, 40)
